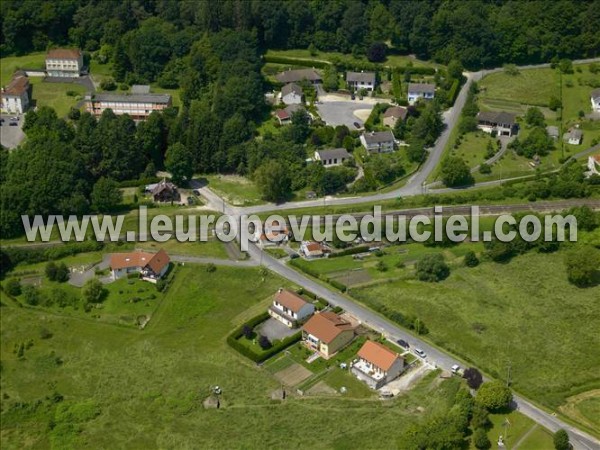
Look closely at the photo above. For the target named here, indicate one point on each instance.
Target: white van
(420, 352)
(456, 369)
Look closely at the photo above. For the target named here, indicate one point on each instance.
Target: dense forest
(146, 35)
(211, 52)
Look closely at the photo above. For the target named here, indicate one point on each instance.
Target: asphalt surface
(341, 113)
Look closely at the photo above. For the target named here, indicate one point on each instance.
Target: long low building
(138, 106)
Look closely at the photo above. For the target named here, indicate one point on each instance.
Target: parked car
(403, 343)
(357, 125)
(420, 353)
(13, 124)
(456, 369)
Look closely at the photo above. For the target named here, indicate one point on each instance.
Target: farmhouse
(165, 191)
(378, 141)
(64, 62)
(327, 333)
(15, 96)
(420, 90)
(377, 365)
(138, 106)
(595, 99)
(290, 309)
(151, 266)
(298, 75)
(332, 157)
(393, 114)
(574, 136)
(292, 94)
(501, 122)
(361, 80)
(311, 249)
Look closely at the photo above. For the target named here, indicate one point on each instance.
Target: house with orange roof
(327, 333)
(377, 365)
(150, 266)
(312, 249)
(290, 309)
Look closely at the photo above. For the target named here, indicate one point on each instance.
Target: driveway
(79, 275)
(274, 330)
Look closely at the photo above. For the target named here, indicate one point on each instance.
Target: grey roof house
(378, 141)
(332, 157)
(361, 80)
(420, 90)
(297, 75)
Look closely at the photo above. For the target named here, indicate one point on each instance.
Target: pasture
(108, 386)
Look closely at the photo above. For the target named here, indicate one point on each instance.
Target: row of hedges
(350, 251)
(233, 341)
(295, 61)
(342, 64)
(410, 322)
(453, 92)
(140, 182)
(28, 255)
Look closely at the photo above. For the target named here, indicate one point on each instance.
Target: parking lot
(11, 136)
(337, 109)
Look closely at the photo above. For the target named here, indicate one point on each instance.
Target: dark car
(403, 343)
(13, 124)
(357, 125)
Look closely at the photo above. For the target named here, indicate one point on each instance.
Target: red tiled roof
(378, 355)
(290, 300)
(326, 326)
(17, 86)
(63, 53)
(314, 247)
(282, 114)
(156, 261)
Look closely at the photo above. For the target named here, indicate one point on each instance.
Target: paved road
(215, 261)
(579, 439)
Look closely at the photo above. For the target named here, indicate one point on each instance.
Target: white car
(456, 369)
(420, 353)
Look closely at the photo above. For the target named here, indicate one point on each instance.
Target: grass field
(55, 95)
(524, 313)
(236, 190)
(10, 64)
(124, 387)
(530, 87)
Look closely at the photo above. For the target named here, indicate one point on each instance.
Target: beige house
(377, 365)
(327, 333)
(64, 62)
(290, 309)
(151, 266)
(393, 114)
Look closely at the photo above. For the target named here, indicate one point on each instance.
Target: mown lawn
(10, 64)
(126, 387)
(524, 313)
(531, 87)
(55, 95)
(237, 190)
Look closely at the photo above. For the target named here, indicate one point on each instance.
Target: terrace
(368, 370)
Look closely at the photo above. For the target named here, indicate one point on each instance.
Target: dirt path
(525, 436)
(569, 409)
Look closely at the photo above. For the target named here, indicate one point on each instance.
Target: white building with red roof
(151, 266)
(290, 309)
(15, 96)
(377, 365)
(594, 164)
(64, 62)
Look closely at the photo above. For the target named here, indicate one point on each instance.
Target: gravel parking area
(344, 113)
(11, 136)
(274, 330)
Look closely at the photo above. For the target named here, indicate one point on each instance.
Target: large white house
(361, 80)
(15, 96)
(420, 90)
(377, 365)
(138, 106)
(151, 266)
(501, 122)
(64, 62)
(378, 141)
(290, 309)
(595, 99)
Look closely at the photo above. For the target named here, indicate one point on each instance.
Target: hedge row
(453, 92)
(409, 322)
(140, 182)
(343, 65)
(295, 61)
(313, 273)
(233, 341)
(351, 251)
(27, 255)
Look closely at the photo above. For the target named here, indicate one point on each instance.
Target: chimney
(280, 290)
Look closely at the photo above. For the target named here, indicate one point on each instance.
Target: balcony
(366, 369)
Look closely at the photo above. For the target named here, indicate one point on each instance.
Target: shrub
(247, 331)
(45, 333)
(264, 342)
(480, 439)
(471, 259)
(485, 169)
(473, 377)
(338, 309)
(13, 287)
(494, 396)
(108, 84)
(210, 268)
(561, 440)
(381, 266)
(31, 295)
(432, 268)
